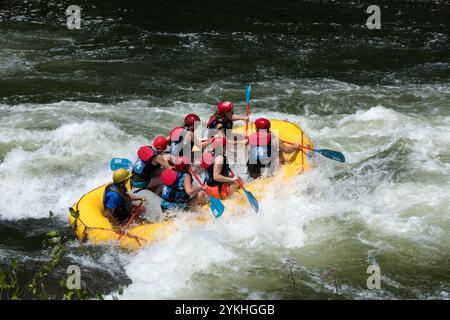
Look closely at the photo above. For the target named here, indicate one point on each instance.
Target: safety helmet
(160, 143)
(121, 175)
(262, 123)
(181, 163)
(190, 119)
(225, 106)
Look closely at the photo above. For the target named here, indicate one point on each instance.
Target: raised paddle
(217, 206)
(247, 107)
(331, 154)
(250, 197)
(120, 163)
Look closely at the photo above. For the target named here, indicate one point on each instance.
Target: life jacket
(214, 122)
(143, 169)
(260, 148)
(207, 163)
(121, 213)
(177, 136)
(173, 190)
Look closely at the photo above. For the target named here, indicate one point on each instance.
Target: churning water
(72, 100)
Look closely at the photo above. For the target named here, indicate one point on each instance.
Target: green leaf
(54, 240)
(56, 253)
(62, 283)
(52, 234)
(74, 214)
(85, 295)
(13, 264)
(51, 214)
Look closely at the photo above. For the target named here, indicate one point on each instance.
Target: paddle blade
(331, 154)
(217, 207)
(251, 198)
(120, 163)
(247, 93)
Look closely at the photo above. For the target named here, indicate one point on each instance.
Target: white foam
(65, 163)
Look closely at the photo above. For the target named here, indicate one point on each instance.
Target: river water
(70, 100)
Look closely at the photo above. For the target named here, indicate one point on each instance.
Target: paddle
(331, 154)
(217, 206)
(247, 107)
(122, 232)
(250, 197)
(120, 163)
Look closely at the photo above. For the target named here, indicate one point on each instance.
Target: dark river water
(70, 100)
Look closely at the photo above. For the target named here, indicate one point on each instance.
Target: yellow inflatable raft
(92, 225)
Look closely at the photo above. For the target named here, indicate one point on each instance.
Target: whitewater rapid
(387, 205)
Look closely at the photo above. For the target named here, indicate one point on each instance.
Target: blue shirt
(112, 200)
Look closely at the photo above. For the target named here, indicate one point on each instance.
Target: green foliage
(76, 216)
(11, 289)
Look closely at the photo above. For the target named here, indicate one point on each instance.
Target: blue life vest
(260, 148)
(175, 193)
(123, 212)
(176, 141)
(214, 122)
(143, 171)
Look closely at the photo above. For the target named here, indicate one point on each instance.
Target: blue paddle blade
(335, 155)
(247, 93)
(120, 163)
(217, 207)
(251, 198)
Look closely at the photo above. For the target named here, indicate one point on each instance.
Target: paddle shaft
(239, 182)
(247, 108)
(131, 219)
(247, 111)
(217, 206)
(303, 147)
(196, 176)
(250, 197)
(330, 154)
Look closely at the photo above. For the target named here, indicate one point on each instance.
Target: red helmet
(219, 142)
(225, 106)
(160, 143)
(190, 119)
(181, 163)
(262, 123)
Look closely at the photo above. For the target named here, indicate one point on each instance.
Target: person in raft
(116, 200)
(178, 192)
(149, 165)
(180, 136)
(217, 176)
(223, 119)
(260, 153)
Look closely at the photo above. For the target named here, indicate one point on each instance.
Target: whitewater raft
(92, 225)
